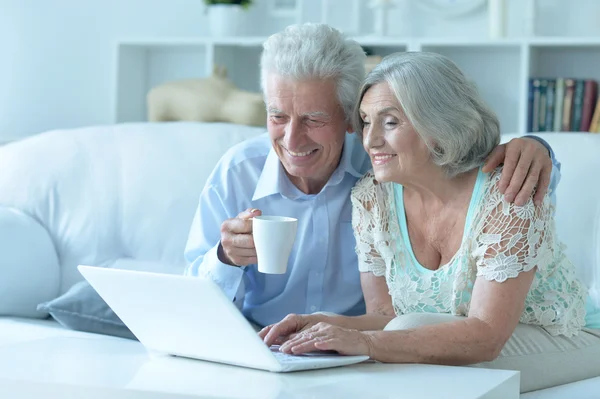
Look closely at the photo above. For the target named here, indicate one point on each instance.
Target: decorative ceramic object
(211, 99)
(529, 23)
(497, 18)
(225, 19)
(449, 8)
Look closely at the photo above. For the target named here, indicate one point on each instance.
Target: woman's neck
(435, 189)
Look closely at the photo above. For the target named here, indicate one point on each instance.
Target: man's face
(307, 127)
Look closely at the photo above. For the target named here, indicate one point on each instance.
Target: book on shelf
(558, 104)
(563, 104)
(595, 124)
(590, 99)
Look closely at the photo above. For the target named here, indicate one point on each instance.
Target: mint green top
(592, 319)
(500, 240)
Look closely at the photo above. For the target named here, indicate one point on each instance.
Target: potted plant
(226, 16)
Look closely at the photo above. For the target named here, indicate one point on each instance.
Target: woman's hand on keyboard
(288, 328)
(326, 337)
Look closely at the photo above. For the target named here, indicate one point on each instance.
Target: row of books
(563, 105)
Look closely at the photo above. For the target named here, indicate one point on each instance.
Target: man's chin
(298, 172)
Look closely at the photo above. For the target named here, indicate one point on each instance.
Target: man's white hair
(445, 109)
(315, 51)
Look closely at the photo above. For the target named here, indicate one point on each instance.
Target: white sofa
(113, 195)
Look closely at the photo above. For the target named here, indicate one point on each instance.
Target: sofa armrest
(29, 267)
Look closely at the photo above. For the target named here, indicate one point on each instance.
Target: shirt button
(313, 308)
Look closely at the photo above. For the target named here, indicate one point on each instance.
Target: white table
(123, 369)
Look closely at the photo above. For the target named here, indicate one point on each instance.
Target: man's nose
(294, 135)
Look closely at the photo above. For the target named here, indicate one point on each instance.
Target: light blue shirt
(322, 273)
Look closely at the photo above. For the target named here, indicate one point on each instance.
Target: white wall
(57, 56)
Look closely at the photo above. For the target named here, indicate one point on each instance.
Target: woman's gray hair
(316, 51)
(445, 109)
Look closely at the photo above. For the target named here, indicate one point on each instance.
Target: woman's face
(397, 152)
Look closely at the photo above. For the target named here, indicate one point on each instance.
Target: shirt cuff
(225, 276)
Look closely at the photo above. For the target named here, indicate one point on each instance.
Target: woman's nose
(372, 137)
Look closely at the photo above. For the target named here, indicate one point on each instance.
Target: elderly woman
(451, 272)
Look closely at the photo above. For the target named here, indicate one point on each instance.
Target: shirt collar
(273, 179)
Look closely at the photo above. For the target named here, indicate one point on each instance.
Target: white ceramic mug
(274, 238)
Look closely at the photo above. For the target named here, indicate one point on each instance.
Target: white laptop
(191, 317)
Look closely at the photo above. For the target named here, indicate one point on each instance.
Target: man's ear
(350, 128)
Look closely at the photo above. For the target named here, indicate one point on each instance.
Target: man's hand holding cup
(237, 244)
(251, 238)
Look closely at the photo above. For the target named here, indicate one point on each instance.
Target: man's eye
(315, 123)
(365, 123)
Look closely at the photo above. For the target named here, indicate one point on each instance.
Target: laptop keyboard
(287, 358)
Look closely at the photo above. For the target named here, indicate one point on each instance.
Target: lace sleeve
(513, 239)
(365, 208)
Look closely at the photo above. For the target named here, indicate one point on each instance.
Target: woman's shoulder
(368, 188)
(492, 196)
(496, 211)
(493, 178)
(366, 181)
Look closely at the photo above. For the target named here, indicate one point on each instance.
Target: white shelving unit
(500, 68)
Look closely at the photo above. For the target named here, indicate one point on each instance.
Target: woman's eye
(365, 123)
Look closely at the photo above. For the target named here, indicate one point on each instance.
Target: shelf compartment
(496, 71)
(140, 68)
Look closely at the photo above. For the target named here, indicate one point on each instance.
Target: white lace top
(500, 241)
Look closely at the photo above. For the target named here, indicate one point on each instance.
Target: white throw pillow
(29, 269)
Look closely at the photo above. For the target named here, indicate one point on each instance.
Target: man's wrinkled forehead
(274, 110)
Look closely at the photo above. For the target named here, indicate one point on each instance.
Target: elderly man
(305, 167)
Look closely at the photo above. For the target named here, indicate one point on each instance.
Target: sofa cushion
(82, 309)
(29, 270)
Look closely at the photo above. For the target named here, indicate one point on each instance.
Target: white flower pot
(225, 19)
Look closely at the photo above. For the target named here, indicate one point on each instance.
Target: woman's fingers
(306, 346)
(299, 339)
(291, 324)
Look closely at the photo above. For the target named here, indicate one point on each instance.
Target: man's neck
(310, 185)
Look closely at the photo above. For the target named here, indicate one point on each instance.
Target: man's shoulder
(359, 159)
(248, 151)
